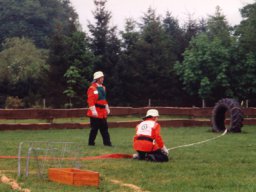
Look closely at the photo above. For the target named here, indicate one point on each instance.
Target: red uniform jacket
(148, 136)
(96, 96)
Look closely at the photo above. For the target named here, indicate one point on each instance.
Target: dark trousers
(102, 125)
(156, 156)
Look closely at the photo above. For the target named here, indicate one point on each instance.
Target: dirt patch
(13, 183)
(135, 188)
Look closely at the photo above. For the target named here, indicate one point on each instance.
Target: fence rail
(49, 114)
(115, 111)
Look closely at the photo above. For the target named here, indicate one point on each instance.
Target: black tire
(219, 115)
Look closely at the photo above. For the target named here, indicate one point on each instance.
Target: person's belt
(145, 138)
(100, 106)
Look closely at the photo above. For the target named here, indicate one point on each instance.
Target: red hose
(106, 156)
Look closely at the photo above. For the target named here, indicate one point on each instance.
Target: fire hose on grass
(200, 142)
(223, 106)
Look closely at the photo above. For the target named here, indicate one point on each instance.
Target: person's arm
(107, 106)
(91, 100)
(159, 140)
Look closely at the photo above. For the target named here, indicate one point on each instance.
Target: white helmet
(97, 75)
(152, 113)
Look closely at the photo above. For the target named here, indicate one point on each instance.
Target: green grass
(226, 164)
(86, 119)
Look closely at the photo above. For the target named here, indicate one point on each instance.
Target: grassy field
(86, 119)
(227, 164)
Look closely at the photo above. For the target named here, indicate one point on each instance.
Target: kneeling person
(148, 142)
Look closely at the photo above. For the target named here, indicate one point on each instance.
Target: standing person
(98, 109)
(148, 142)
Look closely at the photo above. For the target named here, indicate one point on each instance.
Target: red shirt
(96, 96)
(148, 136)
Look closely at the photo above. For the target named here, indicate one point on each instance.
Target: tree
(67, 52)
(217, 26)
(246, 31)
(245, 59)
(22, 68)
(175, 35)
(21, 60)
(48, 23)
(105, 45)
(58, 53)
(72, 75)
(154, 62)
(36, 20)
(247, 83)
(129, 36)
(204, 71)
(190, 30)
(127, 65)
(78, 75)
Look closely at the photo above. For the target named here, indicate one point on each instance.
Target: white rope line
(200, 142)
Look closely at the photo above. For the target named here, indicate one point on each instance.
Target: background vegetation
(47, 60)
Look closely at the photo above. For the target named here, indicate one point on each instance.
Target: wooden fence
(191, 117)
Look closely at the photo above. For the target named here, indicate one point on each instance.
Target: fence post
(44, 102)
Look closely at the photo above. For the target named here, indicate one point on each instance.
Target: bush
(13, 103)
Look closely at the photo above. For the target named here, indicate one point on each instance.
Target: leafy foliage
(213, 60)
(105, 45)
(13, 103)
(245, 61)
(81, 61)
(23, 68)
(37, 19)
(204, 70)
(247, 29)
(21, 60)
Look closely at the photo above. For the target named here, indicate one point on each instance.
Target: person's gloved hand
(94, 112)
(165, 150)
(107, 108)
